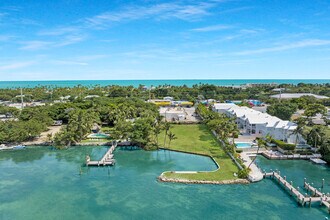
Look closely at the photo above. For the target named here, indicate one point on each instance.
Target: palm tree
(301, 122)
(171, 137)
(157, 130)
(259, 145)
(317, 135)
(167, 128)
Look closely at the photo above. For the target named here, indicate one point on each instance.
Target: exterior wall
(260, 129)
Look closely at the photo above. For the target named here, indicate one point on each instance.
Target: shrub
(243, 173)
(239, 151)
(283, 145)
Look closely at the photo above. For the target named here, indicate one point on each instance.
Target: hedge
(283, 145)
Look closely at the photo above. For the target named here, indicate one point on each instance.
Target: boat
(18, 147)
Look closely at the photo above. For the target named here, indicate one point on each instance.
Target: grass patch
(198, 139)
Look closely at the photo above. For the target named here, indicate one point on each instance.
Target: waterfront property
(129, 190)
(198, 139)
(256, 123)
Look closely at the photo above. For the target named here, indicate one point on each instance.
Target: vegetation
(198, 139)
(282, 110)
(123, 109)
(283, 145)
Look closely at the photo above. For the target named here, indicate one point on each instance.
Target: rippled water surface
(41, 183)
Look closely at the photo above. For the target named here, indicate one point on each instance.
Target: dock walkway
(316, 195)
(106, 160)
(275, 155)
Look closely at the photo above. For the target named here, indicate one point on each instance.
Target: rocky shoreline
(162, 178)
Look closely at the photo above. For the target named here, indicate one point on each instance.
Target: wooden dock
(106, 160)
(316, 195)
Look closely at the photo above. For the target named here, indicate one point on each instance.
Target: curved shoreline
(198, 154)
(162, 178)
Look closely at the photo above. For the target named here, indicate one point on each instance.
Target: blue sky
(154, 39)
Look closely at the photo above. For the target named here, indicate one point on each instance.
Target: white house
(253, 122)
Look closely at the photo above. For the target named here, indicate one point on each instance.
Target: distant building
(168, 98)
(163, 102)
(261, 84)
(58, 123)
(297, 95)
(279, 89)
(92, 96)
(173, 114)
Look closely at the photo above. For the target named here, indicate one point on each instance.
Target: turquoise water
(41, 183)
(136, 83)
(98, 135)
(243, 145)
(296, 171)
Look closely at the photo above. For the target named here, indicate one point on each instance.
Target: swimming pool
(98, 136)
(243, 144)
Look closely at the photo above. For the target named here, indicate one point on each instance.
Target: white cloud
(68, 40)
(16, 65)
(60, 31)
(158, 11)
(68, 62)
(41, 45)
(284, 47)
(5, 37)
(35, 45)
(212, 28)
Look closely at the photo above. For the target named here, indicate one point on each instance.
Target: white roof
(255, 117)
(297, 95)
(224, 106)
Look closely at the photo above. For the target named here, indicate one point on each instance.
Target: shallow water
(41, 183)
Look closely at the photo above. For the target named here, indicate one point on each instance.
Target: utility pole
(22, 100)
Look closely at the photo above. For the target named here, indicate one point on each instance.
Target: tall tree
(282, 110)
(166, 128)
(171, 137)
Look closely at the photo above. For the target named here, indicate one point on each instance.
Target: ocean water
(41, 183)
(136, 83)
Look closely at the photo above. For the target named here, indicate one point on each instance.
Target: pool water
(41, 183)
(98, 135)
(243, 144)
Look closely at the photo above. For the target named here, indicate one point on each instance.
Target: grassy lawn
(198, 139)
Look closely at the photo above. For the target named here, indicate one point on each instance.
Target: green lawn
(198, 139)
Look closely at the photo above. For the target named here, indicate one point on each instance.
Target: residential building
(256, 123)
(297, 95)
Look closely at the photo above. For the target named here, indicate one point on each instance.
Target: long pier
(316, 195)
(106, 160)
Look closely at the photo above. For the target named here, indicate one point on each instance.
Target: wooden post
(322, 183)
(304, 181)
(298, 195)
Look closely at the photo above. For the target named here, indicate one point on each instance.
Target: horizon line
(47, 80)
